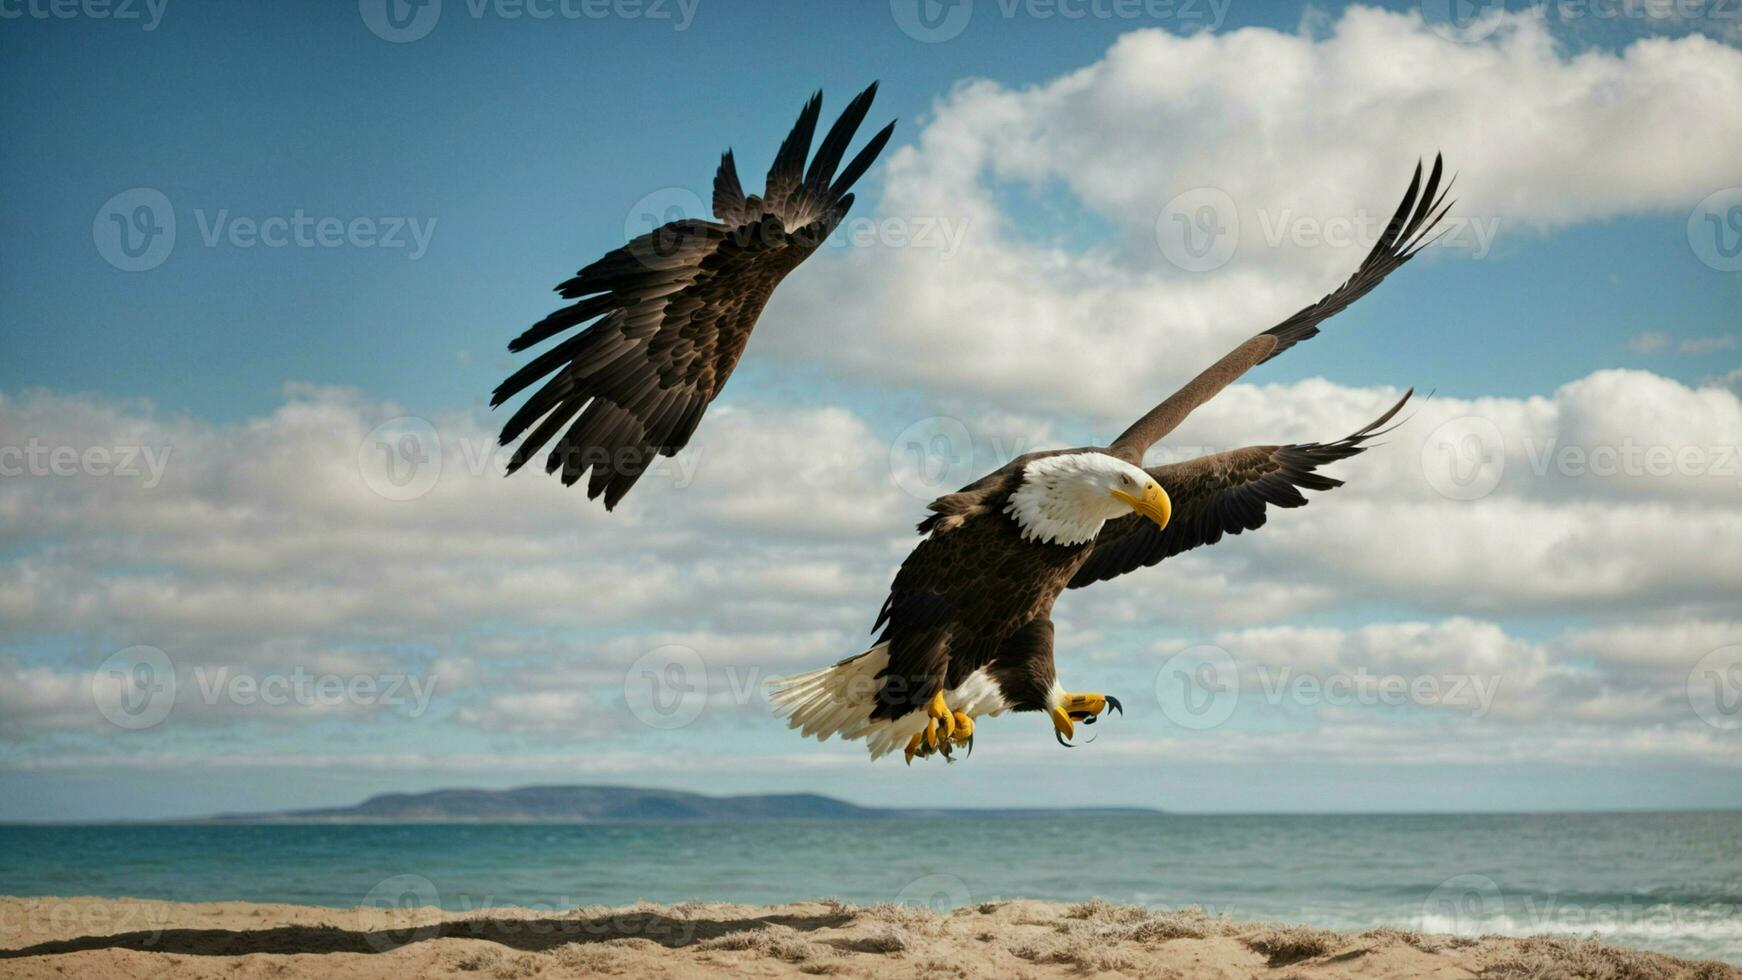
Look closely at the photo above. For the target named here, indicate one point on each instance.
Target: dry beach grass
(101, 939)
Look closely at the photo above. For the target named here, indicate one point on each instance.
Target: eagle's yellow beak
(1154, 504)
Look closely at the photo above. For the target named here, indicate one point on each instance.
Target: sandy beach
(98, 939)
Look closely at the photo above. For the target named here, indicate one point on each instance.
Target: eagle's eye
(1124, 479)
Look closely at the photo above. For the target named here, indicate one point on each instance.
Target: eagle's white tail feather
(838, 701)
(826, 702)
(893, 736)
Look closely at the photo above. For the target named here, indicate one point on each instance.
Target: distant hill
(581, 804)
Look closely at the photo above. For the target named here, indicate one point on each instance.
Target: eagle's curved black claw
(1114, 705)
(1088, 720)
(970, 754)
(1061, 737)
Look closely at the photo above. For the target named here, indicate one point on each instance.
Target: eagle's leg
(1062, 727)
(916, 747)
(1086, 708)
(941, 728)
(964, 729)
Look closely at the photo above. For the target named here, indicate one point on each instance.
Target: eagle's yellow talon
(1092, 704)
(915, 746)
(940, 725)
(938, 709)
(1086, 708)
(943, 729)
(1061, 724)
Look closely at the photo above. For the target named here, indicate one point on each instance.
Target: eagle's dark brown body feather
(965, 592)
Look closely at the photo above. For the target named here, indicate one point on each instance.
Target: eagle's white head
(1065, 499)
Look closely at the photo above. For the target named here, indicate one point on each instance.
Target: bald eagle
(671, 311)
(966, 630)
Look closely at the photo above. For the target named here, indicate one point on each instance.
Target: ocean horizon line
(892, 813)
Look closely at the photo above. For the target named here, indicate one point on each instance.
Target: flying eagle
(967, 629)
(672, 310)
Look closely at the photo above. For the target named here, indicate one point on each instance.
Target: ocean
(1665, 881)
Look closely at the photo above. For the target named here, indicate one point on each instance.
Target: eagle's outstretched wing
(1405, 235)
(1225, 493)
(672, 311)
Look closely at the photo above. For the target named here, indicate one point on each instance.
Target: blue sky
(522, 147)
(525, 142)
